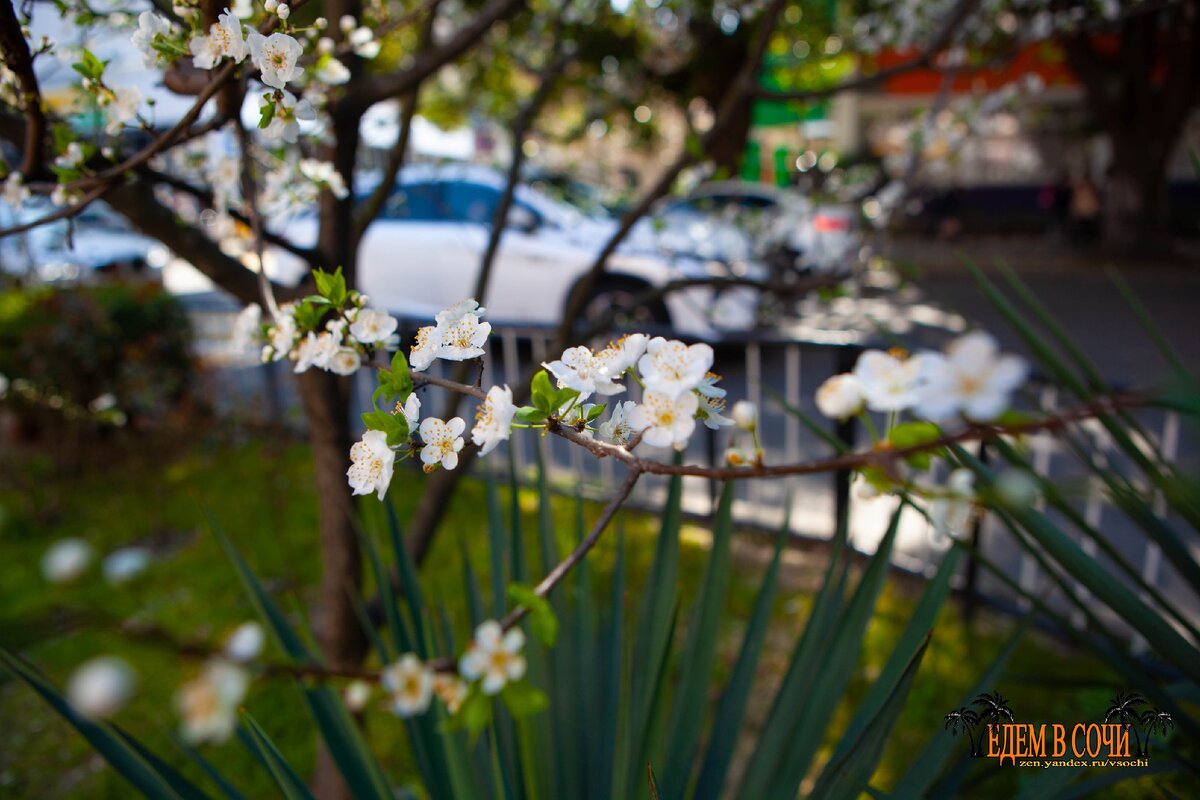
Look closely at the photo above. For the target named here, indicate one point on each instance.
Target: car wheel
(622, 295)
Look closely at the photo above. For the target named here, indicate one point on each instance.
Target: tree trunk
(1135, 206)
(342, 640)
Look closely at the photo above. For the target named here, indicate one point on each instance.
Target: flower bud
(745, 415)
(283, 11)
(347, 23)
(840, 397)
(66, 560)
(356, 695)
(320, 23)
(245, 643)
(270, 5)
(125, 564)
(99, 687)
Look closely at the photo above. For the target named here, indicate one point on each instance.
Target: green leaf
(848, 771)
(915, 434)
(691, 698)
(523, 700)
(338, 729)
(530, 414)
(1160, 634)
(257, 741)
(595, 411)
(542, 393)
(266, 111)
(731, 709)
(474, 715)
(102, 736)
(394, 425)
(542, 621)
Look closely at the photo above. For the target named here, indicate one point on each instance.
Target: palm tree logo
(993, 708)
(968, 720)
(1123, 709)
(1154, 720)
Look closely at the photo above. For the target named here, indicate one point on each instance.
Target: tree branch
(20, 61)
(372, 89)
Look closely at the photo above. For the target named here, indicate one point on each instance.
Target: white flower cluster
(459, 335)
(493, 658)
(338, 347)
(209, 703)
(971, 379)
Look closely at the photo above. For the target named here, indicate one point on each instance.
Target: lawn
(160, 492)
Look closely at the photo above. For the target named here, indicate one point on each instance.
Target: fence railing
(771, 371)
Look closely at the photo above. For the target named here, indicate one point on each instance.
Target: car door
(404, 253)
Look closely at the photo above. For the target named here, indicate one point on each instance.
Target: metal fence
(773, 372)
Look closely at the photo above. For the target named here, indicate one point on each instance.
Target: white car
(97, 241)
(423, 253)
(740, 221)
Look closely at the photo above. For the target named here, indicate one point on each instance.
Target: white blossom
(209, 703)
(664, 420)
(15, 191)
(972, 379)
(623, 354)
(372, 326)
(672, 367)
(461, 309)
(100, 686)
(493, 420)
(840, 397)
(246, 642)
(71, 158)
(581, 370)
(708, 386)
(122, 108)
(745, 415)
(283, 11)
(410, 684)
(617, 428)
(282, 335)
(150, 26)
(443, 440)
(330, 70)
(494, 656)
(289, 113)
(247, 327)
(951, 512)
(125, 564)
(425, 350)
(275, 56)
(66, 560)
(224, 40)
(888, 383)
(451, 690)
(364, 43)
(316, 350)
(711, 411)
(345, 361)
(371, 462)
(323, 173)
(411, 411)
(463, 339)
(356, 695)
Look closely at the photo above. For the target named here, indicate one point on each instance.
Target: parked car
(737, 221)
(97, 241)
(423, 254)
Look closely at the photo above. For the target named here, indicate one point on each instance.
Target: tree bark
(1141, 91)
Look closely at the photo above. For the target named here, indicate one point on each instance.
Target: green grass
(260, 492)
